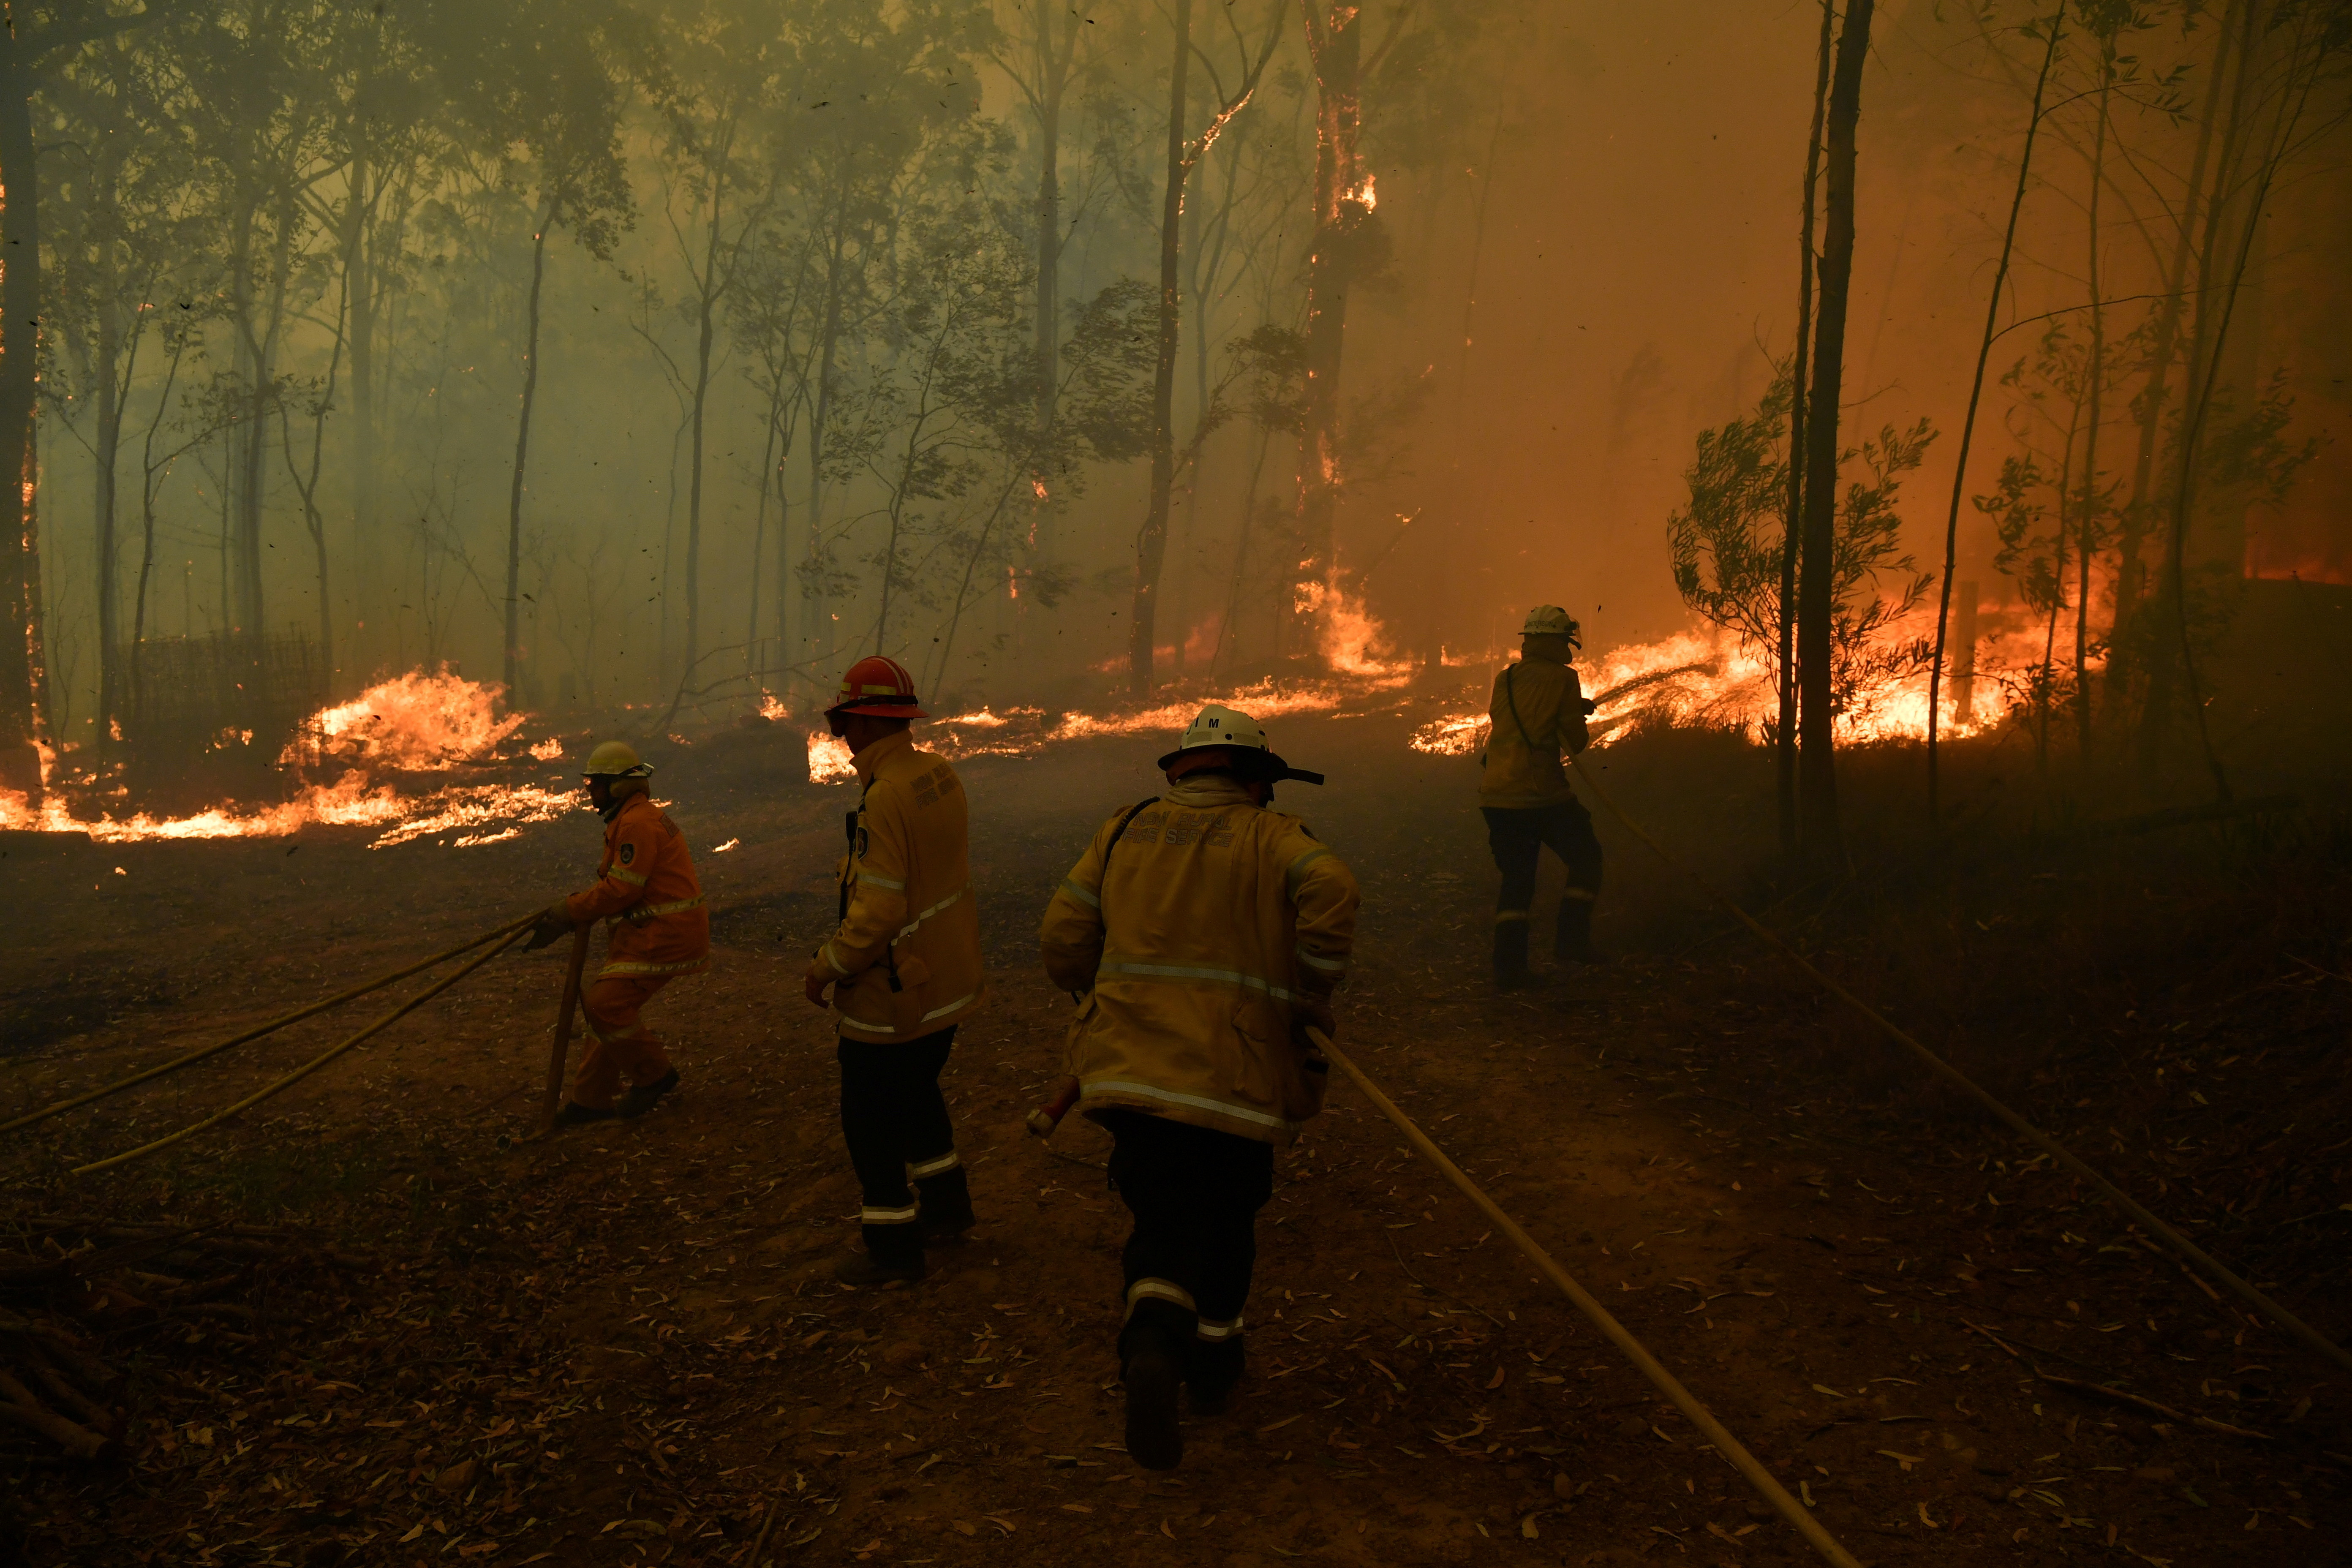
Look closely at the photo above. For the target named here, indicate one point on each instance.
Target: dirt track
(623, 1346)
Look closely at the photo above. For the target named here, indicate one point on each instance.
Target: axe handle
(560, 1046)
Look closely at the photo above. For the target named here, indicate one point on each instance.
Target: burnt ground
(624, 1345)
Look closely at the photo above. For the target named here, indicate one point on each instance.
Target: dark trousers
(1518, 838)
(1195, 1192)
(902, 1144)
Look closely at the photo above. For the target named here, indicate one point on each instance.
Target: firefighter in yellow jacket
(904, 970)
(1537, 717)
(1204, 932)
(647, 888)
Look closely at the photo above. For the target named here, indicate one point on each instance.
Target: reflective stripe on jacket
(1216, 916)
(907, 955)
(1537, 715)
(646, 884)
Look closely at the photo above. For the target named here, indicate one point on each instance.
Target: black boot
(1152, 1373)
(1510, 953)
(1572, 938)
(575, 1114)
(946, 1212)
(644, 1097)
(1210, 1377)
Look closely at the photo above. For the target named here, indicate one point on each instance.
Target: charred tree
(2055, 28)
(1151, 543)
(1344, 243)
(1784, 749)
(1817, 761)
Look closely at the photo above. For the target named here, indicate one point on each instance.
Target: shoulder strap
(1511, 700)
(1104, 885)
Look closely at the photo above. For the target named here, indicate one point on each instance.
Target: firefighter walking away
(645, 886)
(1205, 932)
(903, 970)
(1537, 718)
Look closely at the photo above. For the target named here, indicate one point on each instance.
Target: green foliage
(1724, 545)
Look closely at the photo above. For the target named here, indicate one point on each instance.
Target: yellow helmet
(615, 760)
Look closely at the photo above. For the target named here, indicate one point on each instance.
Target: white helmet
(1230, 728)
(1551, 621)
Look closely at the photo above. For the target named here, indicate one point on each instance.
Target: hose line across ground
(186, 1058)
(2180, 1243)
(512, 935)
(1648, 1365)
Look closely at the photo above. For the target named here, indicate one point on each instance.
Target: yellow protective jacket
(645, 885)
(1537, 716)
(1215, 917)
(906, 960)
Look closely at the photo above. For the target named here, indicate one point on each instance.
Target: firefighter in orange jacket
(647, 888)
(904, 970)
(1206, 932)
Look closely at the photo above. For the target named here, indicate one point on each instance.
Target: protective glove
(553, 921)
(1312, 1012)
(820, 975)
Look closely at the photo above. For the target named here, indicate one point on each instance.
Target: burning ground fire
(1698, 678)
(413, 724)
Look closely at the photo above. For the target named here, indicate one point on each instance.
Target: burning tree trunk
(1344, 199)
(2056, 27)
(2094, 502)
(20, 304)
(26, 47)
(1817, 763)
(1784, 752)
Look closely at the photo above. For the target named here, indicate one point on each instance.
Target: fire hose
(187, 1058)
(512, 935)
(1042, 1121)
(2181, 1244)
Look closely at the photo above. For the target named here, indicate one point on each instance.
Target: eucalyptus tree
(36, 41)
(877, 129)
(546, 82)
(1231, 95)
(123, 247)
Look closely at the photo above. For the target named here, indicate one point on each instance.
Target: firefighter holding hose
(903, 970)
(647, 888)
(1537, 717)
(1206, 934)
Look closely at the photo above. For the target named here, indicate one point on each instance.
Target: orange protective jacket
(645, 885)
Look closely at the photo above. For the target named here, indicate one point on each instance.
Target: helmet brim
(876, 709)
(1249, 764)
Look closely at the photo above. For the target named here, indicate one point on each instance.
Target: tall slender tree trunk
(2056, 29)
(2165, 671)
(512, 671)
(1343, 201)
(813, 591)
(1441, 557)
(706, 316)
(1151, 544)
(1784, 751)
(1053, 81)
(1817, 761)
(108, 445)
(2088, 509)
(2164, 347)
(370, 602)
(21, 651)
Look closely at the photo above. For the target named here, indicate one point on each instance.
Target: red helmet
(879, 686)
